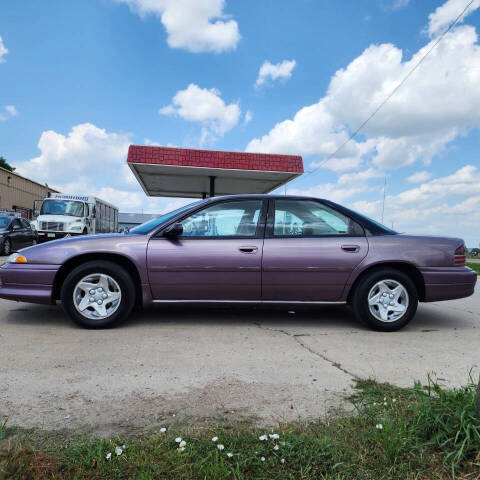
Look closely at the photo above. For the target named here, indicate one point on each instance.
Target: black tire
(360, 299)
(7, 247)
(117, 273)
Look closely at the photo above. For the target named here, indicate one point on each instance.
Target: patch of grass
(424, 432)
(474, 266)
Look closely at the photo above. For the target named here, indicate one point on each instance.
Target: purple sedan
(246, 249)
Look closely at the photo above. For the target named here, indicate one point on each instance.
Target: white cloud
(3, 50)
(438, 102)
(10, 111)
(446, 14)
(273, 71)
(248, 117)
(347, 186)
(204, 106)
(193, 25)
(86, 160)
(418, 177)
(447, 205)
(87, 155)
(400, 3)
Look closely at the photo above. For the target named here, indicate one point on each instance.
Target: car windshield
(62, 207)
(4, 221)
(147, 227)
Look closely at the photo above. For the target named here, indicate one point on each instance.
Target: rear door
(309, 252)
(217, 258)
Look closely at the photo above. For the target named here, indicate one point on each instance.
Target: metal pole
(384, 192)
(212, 186)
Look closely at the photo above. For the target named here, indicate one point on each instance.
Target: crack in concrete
(297, 339)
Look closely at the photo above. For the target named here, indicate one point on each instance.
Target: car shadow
(429, 317)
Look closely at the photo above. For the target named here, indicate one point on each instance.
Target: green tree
(4, 164)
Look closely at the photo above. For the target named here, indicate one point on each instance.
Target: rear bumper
(27, 283)
(448, 283)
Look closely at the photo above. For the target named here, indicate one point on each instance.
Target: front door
(309, 252)
(218, 256)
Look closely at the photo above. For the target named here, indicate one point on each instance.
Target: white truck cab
(63, 215)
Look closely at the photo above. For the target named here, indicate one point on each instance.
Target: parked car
(250, 249)
(475, 252)
(15, 233)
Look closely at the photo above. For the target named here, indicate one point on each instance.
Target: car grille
(52, 226)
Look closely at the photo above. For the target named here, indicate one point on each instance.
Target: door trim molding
(258, 302)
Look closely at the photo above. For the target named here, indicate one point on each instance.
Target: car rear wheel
(98, 294)
(385, 300)
(7, 247)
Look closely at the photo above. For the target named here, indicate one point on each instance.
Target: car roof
(265, 196)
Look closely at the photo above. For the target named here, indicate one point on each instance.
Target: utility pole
(384, 194)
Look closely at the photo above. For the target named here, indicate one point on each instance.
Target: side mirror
(174, 231)
(36, 213)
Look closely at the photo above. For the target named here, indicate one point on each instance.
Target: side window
(25, 224)
(307, 218)
(16, 224)
(226, 219)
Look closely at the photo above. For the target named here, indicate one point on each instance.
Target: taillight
(460, 255)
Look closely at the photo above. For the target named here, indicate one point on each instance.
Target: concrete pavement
(173, 364)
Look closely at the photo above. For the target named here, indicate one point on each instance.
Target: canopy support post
(212, 186)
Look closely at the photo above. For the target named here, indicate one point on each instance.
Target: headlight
(17, 258)
(76, 227)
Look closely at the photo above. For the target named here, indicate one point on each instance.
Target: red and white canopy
(181, 172)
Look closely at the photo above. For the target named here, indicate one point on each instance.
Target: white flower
(118, 451)
(262, 459)
(262, 437)
(180, 449)
(385, 403)
(379, 426)
(220, 446)
(274, 436)
(214, 439)
(282, 460)
(163, 430)
(229, 455)
(108, 456)
(123, 446)
(374, 404)
(178, 439)
(384, 399)
(182, 443)
(394, 400)
(276, 447)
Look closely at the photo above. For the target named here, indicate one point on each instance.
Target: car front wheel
(7, 247)
(98, 294)
(385, 300)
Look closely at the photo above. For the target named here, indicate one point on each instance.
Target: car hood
(57, 252)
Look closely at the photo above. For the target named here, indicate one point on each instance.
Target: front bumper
(27, 282)
(448, 283)
(44, 236)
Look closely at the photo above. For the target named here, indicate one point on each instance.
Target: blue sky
(86, 78)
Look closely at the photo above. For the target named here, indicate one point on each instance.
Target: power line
(390, 95)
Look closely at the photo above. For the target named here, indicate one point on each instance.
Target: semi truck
(61, 215)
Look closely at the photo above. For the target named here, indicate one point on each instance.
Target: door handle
(351, 248)
(248, 249)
